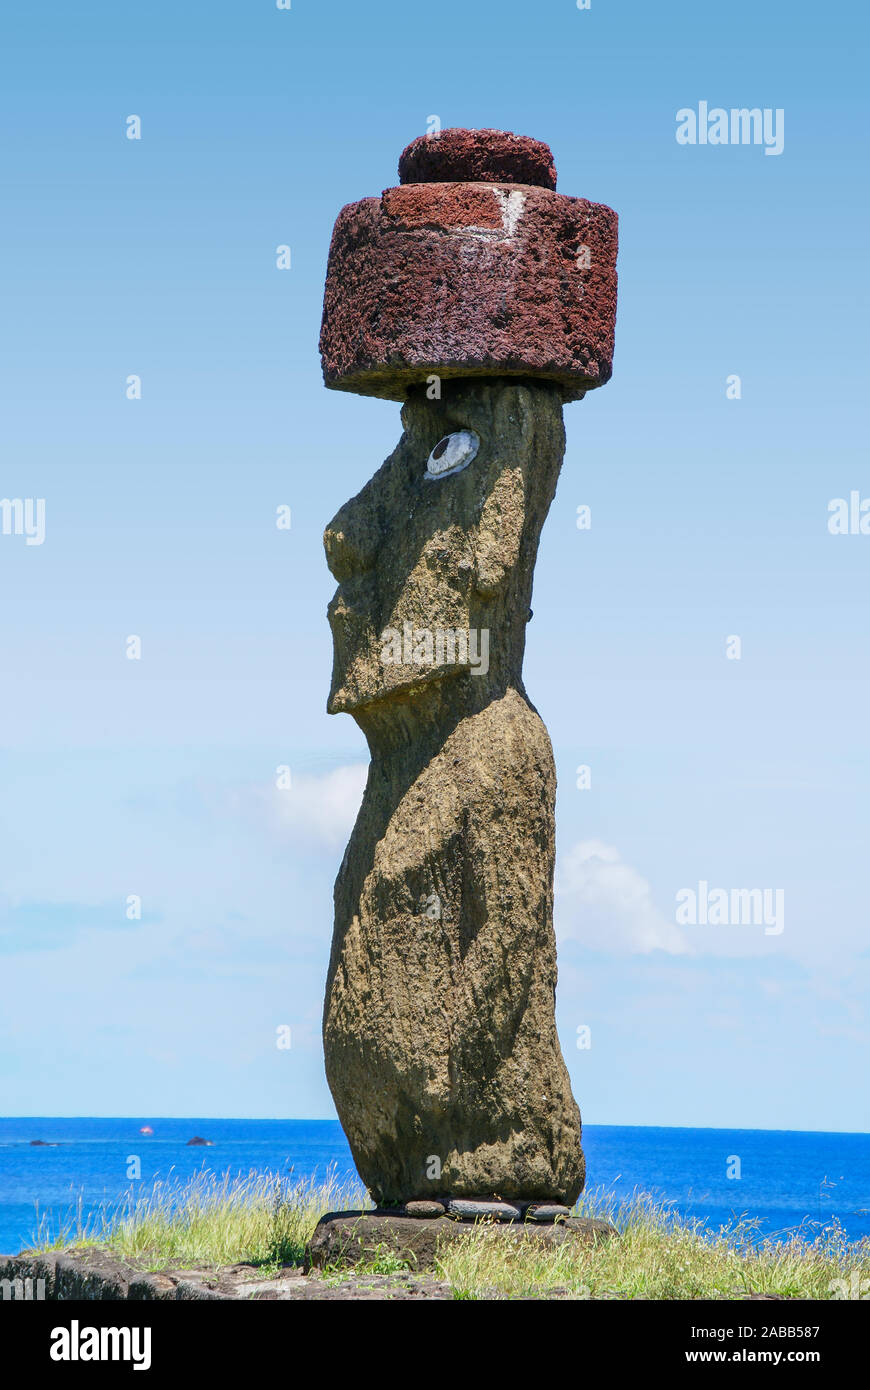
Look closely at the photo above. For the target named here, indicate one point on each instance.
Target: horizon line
(331, 1119)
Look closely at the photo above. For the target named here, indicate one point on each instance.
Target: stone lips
(469, 279)
(477, 156)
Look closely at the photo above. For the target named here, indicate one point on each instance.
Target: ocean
(787, 1179)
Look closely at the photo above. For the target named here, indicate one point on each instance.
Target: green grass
(659, 1255)
(210, 1222)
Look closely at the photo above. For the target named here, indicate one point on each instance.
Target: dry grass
(266, 1220)
(659, 1255)
(209, 1221)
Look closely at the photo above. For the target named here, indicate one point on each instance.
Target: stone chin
(352, 696)
(362, 679)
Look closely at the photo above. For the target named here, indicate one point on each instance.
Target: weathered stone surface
(424, 1209)
(348, 1238)
(548, 1211)
(477, 156)
(93, 1275)
(465, 278)
(439, 1030)
(467, 1210)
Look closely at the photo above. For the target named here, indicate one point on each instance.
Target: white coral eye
(453, 452)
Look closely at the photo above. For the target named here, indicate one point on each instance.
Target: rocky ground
(93, 1274)
(341, 1241)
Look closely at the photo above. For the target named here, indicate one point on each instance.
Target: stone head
(482, 299)
(435, 571)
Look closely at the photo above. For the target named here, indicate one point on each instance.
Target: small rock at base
(468, 1210)
(424, 1208)
(547, 1211)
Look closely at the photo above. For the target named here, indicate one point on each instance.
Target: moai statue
(482, 300)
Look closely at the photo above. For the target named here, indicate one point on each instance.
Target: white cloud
(320, 811)
(604, 903)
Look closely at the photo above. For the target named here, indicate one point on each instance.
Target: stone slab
(94, 1275)
(470, 1210)
(546, 1211)
(351, 1237)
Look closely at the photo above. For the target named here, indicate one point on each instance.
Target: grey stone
(547, 1212)
(421, 1209)
(93, 1274)
(480, 1210)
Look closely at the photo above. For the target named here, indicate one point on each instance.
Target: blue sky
(156, 777)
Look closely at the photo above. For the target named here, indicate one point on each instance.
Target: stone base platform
(351, 1237)
(94, 1274)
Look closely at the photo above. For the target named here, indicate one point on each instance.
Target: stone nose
(349, 552)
